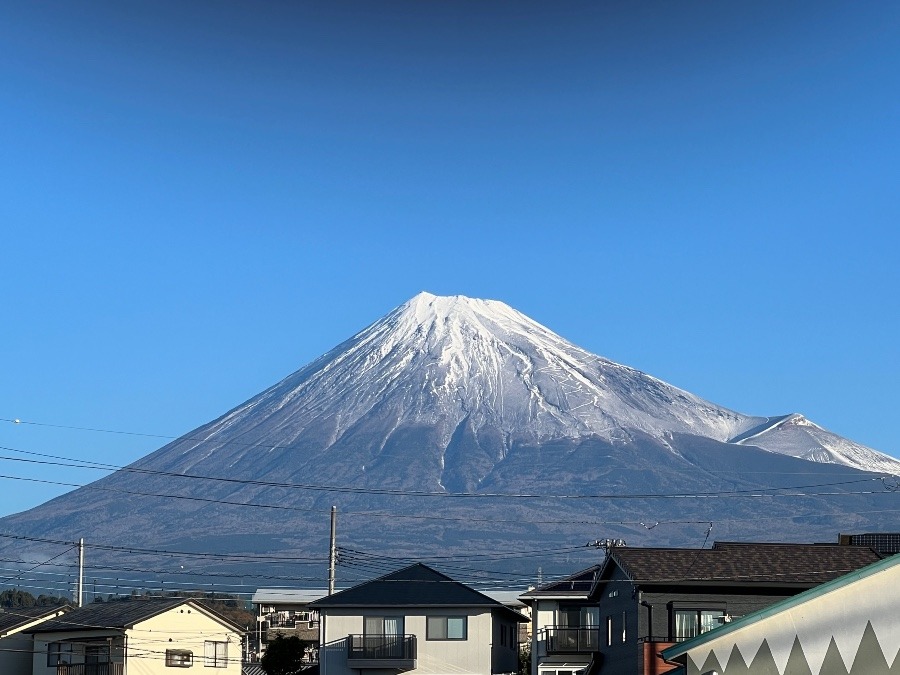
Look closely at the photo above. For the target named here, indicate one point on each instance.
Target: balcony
(653, 663)
(90, 669)
(381, 651)
(565, 640)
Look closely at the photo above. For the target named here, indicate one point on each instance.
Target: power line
(718, 494)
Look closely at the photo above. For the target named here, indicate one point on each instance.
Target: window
(690, 623)
(383, 625)
(179, 658)
(59, 652)
(623, 626)
(503, 636)
(448, 628)
(609, 631)
(578, 616)
(215, 654)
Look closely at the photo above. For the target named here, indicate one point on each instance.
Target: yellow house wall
(184, 627)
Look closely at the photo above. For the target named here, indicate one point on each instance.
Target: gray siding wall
(734, 604)
(618, 600)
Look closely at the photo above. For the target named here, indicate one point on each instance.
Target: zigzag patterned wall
(853, 629)
(869, 659)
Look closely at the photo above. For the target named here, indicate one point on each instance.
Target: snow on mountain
(443, 362)
(440, 360)
(455, 395)
(796, 436)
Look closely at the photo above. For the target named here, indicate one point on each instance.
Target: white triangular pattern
(891, 661)
(749, 645)
(887, 630)
(722, 651)
(848, 637)
(781, 642)
(697, 666)
(840, 616)
(815, 650)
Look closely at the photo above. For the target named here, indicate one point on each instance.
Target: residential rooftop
(743, 563)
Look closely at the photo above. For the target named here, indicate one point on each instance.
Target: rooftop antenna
(607, 544)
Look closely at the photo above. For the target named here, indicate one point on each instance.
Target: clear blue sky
(197, 198)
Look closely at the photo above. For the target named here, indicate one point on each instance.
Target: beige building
(416, 620)
(137, 637)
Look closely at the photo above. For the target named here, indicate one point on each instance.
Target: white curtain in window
(393, 625)
(685, 624)
(709, 620)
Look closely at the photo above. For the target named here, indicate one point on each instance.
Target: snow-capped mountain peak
(454, 364)
(441, 360)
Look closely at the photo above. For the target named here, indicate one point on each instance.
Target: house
(847, 625)
(513, 600)
(137, 637)
(651, 598)
(286, 611)
(15, 644)
(565, 634)
(886, 543)
(416, 620)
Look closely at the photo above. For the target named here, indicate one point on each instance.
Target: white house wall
(433, 657)
(852, 629)
(544, 615)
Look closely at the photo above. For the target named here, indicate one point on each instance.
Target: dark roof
(120, 614)
(742, 563)
(11, 619)
(886, 543)
(414, 586)
(577, 585)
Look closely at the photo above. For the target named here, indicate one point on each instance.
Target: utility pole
(333, 551)
(79, 601)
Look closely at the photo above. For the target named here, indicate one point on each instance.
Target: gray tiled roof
(414, 586)
(10, 619)
(729, 562)
(117, 615)
(577, 585)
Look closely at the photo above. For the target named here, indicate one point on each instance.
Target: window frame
(215, 661)
(56, 648)
(384, 618)
(446, 618)
(696, 613)
(173, 654)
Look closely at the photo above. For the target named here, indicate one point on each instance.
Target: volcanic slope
(446, 397)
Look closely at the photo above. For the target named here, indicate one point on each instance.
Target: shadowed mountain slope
(449, 397)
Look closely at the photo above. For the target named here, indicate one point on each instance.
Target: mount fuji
(460, 427)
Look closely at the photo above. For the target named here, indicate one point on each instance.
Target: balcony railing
(381, 651)
(565, 640)
(90, 669)
(381, 647)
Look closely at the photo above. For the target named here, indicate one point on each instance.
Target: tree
(524, 659)
(284, 656)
